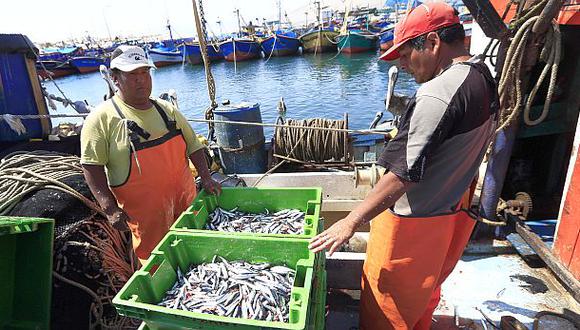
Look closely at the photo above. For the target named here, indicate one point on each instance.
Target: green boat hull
(353, 42)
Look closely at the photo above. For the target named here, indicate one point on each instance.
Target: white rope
(273, 47)
(331, 41)
(183, 56)
(339, 48)
(215, 121)
(24, 172)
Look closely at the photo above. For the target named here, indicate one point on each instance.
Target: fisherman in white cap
(135, 152)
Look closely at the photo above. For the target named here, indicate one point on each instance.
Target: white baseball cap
(128, 58)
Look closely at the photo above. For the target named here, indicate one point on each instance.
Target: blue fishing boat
(193, 53)
(166, 53)
(57, 54)
(164, 56)
(380, 25)
(281, 44)
(386, 38)
(54, 69)
(54, 62)
(240, 49)
(86, 64)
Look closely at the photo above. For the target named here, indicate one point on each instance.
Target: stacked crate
(189, 243)
(25, 272)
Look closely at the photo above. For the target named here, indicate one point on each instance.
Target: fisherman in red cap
(418, 208)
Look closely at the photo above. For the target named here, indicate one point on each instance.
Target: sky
(49, 21)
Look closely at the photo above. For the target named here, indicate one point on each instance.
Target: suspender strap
(136, 129)
(170, 124)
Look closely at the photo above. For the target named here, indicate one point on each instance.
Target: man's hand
(334, 237)
(118, 219)
(211, 186)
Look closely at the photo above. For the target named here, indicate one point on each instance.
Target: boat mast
(279, 14)
(344, 28)
(239, 24)
(219, 22)
(169, 28)
(107, 24)
(318, 14)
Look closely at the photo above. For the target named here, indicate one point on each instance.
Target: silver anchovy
(236, 289)
(288, 221)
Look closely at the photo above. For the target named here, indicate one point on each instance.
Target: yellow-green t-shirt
(105, 137)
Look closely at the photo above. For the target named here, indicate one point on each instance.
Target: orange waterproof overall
(407, 261)
(160, 185)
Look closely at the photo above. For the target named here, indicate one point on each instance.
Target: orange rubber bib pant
(407, 261)
(160, 186)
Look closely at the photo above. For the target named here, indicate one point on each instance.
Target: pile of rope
(510, 84)
(311, 145)
(22, 173)
(92, 260)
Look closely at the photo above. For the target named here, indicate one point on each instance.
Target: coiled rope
(304, 143)
(551, 56)
(510, 85)
(24, 172)
(118, 264)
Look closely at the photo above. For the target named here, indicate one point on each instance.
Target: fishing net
(92, 260)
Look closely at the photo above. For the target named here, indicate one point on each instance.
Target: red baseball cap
(422, 19)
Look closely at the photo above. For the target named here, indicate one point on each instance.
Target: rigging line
(50, 77)
(215, 121)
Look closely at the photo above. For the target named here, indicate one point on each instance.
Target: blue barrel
(241, 146)
(20, 91)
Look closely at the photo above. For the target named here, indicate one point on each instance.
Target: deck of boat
(491, 278)
(495, 281)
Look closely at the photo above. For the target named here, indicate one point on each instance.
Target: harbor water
(326, 85)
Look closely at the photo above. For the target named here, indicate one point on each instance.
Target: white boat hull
(160, 59)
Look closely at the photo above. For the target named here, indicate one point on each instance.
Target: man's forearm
(384, 195)
(97, 182)
(200, 162)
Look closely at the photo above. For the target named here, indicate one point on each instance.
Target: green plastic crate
(318, 302)
(254, 200)
(317, 317)
(25, 272)
(147, 286)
